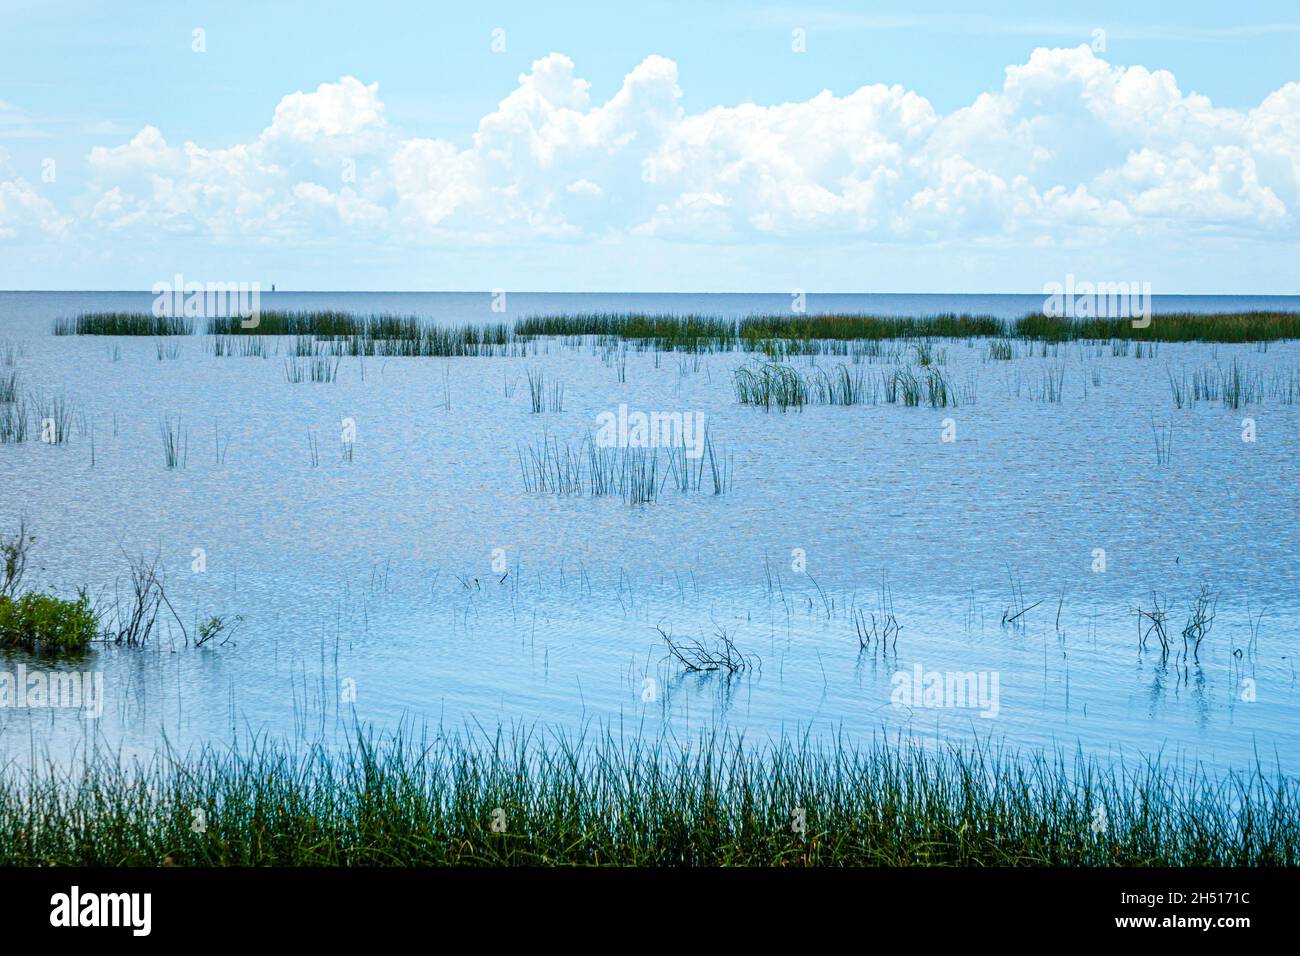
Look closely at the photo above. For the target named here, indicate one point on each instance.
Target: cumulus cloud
(1068, 147)
(25, 213)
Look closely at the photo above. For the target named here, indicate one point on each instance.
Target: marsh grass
(344, 333)
(668, 332)
(1163, 436)
(637, 475)
(175, 443)
(55, 413)
(1051, 384)
(13, 422)
(771, 384)
(123, 323)
(1255, 326)
(715, 801)
(778, 336)
(245, 346)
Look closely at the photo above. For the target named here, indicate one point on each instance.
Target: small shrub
(45, 622)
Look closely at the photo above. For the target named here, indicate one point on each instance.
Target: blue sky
(906, 147)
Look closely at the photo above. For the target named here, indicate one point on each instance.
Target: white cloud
(1070, 148)
(24, 211)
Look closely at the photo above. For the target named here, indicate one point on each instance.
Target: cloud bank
(1070, 149)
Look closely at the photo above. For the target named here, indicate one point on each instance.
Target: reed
(13, 422)
(175, 442)
(55, 413)
(778, 336)
(661, 330)
(1002, 350)
(1253, 326)
(123, 323)
(600, 799)
(634, 474)
(1163, 436)
(537, 390)
(771, 384)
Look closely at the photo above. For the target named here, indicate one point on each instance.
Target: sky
(870, 147)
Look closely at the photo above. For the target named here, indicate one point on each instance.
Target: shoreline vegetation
(396, 335)
(516, 799)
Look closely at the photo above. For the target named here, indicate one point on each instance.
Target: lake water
(417, 580)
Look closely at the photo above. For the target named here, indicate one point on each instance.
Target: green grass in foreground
(617, 802)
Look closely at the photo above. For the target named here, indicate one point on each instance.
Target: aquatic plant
(123, 323)
(44, 622)
(36, 621)
(175, 442)
(1251, 326)
(1163, 435)
(13, 560)
(722, 654)
(1199, 621)
(55, 413)
(217, 625)
(13, 422)
(529, 798)
(771, 384)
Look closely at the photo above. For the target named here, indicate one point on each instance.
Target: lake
(410, 576)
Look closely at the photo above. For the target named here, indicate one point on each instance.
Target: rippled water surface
(377, 573)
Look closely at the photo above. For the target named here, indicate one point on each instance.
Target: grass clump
(532, 799)
(123, 323)
(1254, 326)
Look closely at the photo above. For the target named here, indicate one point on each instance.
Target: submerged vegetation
(717, 802)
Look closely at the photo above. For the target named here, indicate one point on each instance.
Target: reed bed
(123, 323)
(1234, 385)
(772, 384)
(1166, 327)
(854, 326)
(788, 334)
(664, 331)
(526, 798)
(346, 333)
